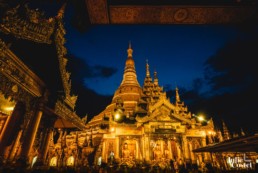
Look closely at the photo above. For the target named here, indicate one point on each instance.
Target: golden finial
(156, 81)
(242, 132)
(130, 50)
(155, 74)
(177, 96)
(147, 69)
(226, 133)
(60, 13)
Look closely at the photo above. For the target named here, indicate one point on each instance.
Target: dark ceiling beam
(161, 12)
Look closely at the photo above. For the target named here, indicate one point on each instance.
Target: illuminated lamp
(201, 118)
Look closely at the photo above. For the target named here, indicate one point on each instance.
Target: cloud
(233, 66)
(88, 102)
(232, 75)
(233, 79)
(81, 69)
(103, 71)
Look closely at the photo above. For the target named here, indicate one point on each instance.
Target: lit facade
(142, 125)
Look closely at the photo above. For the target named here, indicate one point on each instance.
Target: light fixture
(9, 108)
(117, 116)
(200, 118)
(112, 129)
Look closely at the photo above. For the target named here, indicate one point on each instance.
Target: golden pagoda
(141, 125)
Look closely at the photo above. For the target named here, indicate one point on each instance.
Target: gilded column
(15, 146)
(143, 147)
(203, 145)
(117, 148)
(147, 148)
(11, 127)
(191, 152)
(186, 150)
(170, 150)
(137, 149)
(3, 126)
(162, 146)
(32, 131)
(104, 152)
(179, 150)
(46, 145)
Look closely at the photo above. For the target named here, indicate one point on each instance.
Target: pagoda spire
(177, 96)
(130, 50)
(60, 13)
(156, 81)
(226, 134)
(147, 69)
(242, 132)
(130, 76)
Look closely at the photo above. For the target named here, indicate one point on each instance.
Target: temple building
(141, 124)
(34, 101)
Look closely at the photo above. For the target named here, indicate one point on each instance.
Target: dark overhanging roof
(240, 144)
(171, 12)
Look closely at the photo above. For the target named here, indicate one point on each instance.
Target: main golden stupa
(142, 125)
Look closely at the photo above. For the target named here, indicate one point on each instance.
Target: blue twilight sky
(176, 52)
(97, 55)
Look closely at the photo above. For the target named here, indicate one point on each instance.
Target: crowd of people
(113, 167)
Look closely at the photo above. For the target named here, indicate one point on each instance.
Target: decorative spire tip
(130, 50)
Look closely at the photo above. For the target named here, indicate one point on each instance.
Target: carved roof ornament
(61, 11)
(16, 70)
(3, 48)
(160, 109)
(34, 16)
(147, 69)
(177, 96)
(226, 133)
(70, 100)
(34, 26)
(156, 80)
(130, 50)
(211, 123)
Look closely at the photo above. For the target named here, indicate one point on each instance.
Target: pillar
(31, 133)
(143, 147)
(191, 153)
(171, 155)
(46, 144)
(15, 146)
(3, 125)
(9, 132)
(205, 154)
(117, 147)
(186, 150)
(179, 150)
(137, 153)
(147, 148)
(104, 152)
